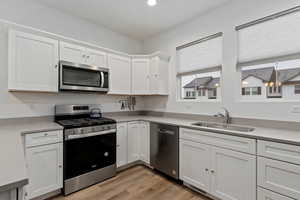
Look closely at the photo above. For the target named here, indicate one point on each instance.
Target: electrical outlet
(296, 109)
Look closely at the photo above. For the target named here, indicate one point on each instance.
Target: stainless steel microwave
(79, 77)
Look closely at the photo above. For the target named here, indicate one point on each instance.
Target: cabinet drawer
(279, 151)
(279, 176)
(263, 194)
(43, 138)
(226, 141)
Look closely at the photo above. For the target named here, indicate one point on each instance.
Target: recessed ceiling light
(152, 3)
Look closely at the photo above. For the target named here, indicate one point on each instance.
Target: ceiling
(134, 17)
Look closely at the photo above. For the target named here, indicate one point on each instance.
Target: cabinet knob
(83, 56)
(212, 171)
(46, 134)
(60, 166)
(56, 66)
(206, 170)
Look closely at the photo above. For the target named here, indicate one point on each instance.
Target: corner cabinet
(150, 75)
(33, 63)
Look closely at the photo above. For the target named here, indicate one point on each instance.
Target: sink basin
(224, 126)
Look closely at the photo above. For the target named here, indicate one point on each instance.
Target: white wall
(224, 19)
(29, 13)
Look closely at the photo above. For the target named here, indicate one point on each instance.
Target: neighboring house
(254, 82)
(290, 79)
(202, 88)
(261, 83)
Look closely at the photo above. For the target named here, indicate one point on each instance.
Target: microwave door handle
(102, 79)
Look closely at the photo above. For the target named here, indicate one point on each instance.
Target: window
(272, 80)
(201, 86)
(199, 68)
(269, 57)
(297, 89)
(246, 91)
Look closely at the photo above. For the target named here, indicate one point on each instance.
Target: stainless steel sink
(224, 126)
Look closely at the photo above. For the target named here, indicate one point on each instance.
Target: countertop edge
(14, 185)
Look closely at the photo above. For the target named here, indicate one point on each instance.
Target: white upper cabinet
(33, 63)
(96, 58)
(159, 76)
(140, 76)
(71, 52)
(120, 74)
(82, 55)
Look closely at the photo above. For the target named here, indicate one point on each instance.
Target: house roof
(198, 82)
(205, 82)
(265, 74)
(213, 82)
(285, 75)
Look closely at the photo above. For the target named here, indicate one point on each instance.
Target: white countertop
(275, 135)
(13, 172)
(12, 158)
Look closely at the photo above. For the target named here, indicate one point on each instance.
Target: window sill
(267, 101)
(199, 101)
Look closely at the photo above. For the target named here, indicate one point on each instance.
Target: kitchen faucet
(225, 116)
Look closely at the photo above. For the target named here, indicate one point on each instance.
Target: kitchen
(170, 125)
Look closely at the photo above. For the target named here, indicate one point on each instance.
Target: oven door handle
(72, 137)
(102, 79)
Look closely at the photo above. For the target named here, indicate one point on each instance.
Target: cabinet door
(145, 142)
(44, 169)
(159, 76)
(263, 194)
(279, 176)
(195, 164)
(33, 63)
(233, 175)
(72, 53)
(96, 58)
(121, 144)
(133, 141)
(140, 76)
(9, 195)
(120, 74)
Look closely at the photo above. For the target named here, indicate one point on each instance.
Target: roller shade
(204, 54)
(269, 39)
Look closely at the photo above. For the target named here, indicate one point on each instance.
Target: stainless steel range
(89, 145)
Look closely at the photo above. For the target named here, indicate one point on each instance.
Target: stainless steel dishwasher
(164, 149)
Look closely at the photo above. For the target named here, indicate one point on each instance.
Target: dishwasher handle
(164, 131)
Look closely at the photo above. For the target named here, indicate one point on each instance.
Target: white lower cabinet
(263, 194)
(9, 195)
(45, 167)
(121, 144)
(233, 175)
(223, 173)
(282, 177)
(133, 142)
(195, 164)
(145, 142)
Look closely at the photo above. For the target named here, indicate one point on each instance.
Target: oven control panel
(75, 133)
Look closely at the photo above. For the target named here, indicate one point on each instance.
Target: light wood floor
(137, 183)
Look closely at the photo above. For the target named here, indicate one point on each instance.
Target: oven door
(84, 155)
(82, 77)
